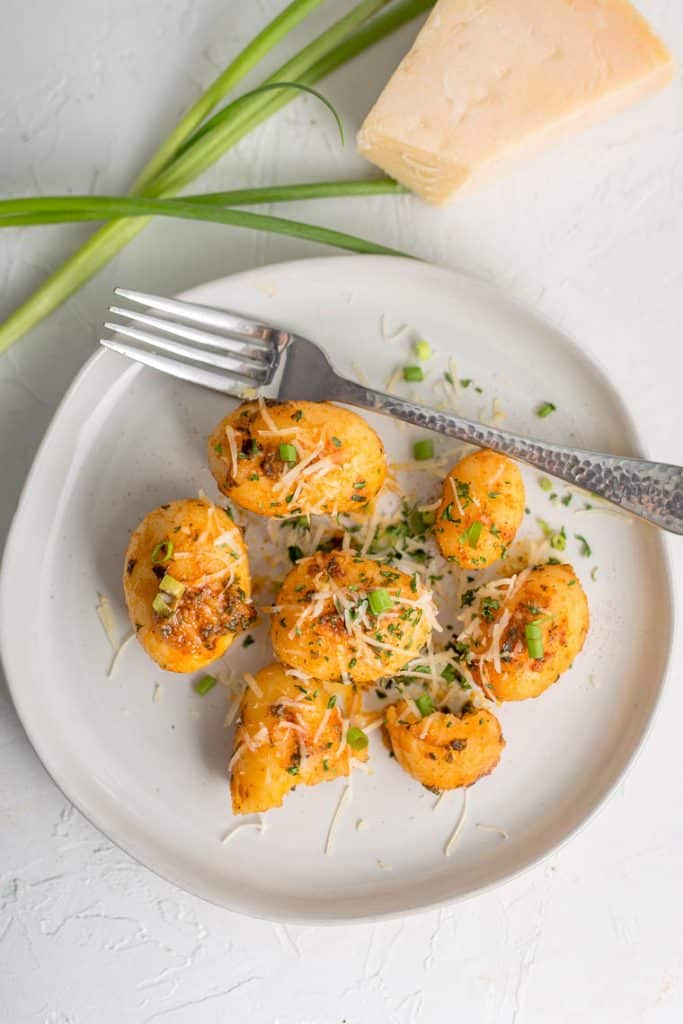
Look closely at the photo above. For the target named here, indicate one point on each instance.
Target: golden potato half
(276, 458)
(442, 750)
(551, 601)
(340, 616)
(187, 584)
(481, 508)
(287, 734)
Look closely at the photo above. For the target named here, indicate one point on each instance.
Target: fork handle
(651, 490)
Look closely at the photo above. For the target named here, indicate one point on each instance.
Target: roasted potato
(552, 600)
(481, 508)
(287, 734)
(340, 616)
(443, 750)
(187, 584)
(278, 458)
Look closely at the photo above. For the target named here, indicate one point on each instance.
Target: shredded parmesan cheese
(106, 617)
(118, 653)
(343, 800)
(494, 828)
(252, 684)
(232, 443)
(448, 849)
(259, 825)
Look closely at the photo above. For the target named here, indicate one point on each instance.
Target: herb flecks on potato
(289, 732)
(341, 616)
(187, 584)
(520, 644)
(442, 750)
(481, 508)
(284, 458)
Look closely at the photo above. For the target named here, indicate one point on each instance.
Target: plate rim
(283, 916)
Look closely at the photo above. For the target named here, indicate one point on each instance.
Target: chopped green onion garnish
(248, 640)
(287, 452)
(594, 573)
(534, 640)
(448, 377)
(545, 484)
(558, 541)
(205, 684)
(294, 552)
(336, 442)
(423, 450)
(332, 701)
(162, 552)
(545, 409)
(586, 549)
(380, 600)
(473, 533)
(413, 373)
(172, 586)
(356, 738)
(425, 704)
(423, 350)
(293, 769)
(161, 606)
(449, 673)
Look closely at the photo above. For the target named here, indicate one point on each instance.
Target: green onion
(336, 442)
(425, 704)
(248, 640)
(162, 552)
(294, 552)
(586, 549)
(293, 769)
(380, 600)
(423, 350)
(36, 210)
(545, 484)
(449, 673)
(423, 450)
(558, 541)
(356, 738)
(203, 685)
(473, 533)
(545, 409)
(413, 373)
(333, 48)
(161, 606)
(287, 453)
(332, 701)
(594, 573)
(534, 640)
(172, 586)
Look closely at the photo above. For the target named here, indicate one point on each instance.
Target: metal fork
(230, 353)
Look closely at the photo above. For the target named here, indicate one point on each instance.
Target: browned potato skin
(455, 751)
(550, 590)
(480, 474)
(260, 778)
(323, 646)
(356, 449)
(208, 617)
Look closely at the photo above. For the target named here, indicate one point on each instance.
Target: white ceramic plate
(152, 773)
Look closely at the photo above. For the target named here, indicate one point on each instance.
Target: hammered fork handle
(651, 490)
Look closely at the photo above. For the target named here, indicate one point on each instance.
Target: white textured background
(590, 235)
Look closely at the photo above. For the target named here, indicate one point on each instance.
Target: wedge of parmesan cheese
(489, 82)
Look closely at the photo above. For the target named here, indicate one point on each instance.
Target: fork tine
(242, 326)
(228, 384)
(243, 367)
(235, 346)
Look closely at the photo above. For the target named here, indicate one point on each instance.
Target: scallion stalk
(108, 240)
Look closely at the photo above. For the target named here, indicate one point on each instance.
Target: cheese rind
(488, 82)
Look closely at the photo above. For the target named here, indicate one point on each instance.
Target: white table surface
(591, 235)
